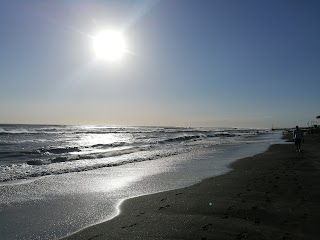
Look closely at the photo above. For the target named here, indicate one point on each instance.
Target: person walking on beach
(298, 138)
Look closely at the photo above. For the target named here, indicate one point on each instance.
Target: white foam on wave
(25, 171)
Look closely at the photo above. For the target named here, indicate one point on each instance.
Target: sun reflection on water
(100, 183)
(96, 140)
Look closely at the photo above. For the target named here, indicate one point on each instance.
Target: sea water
(56, 180)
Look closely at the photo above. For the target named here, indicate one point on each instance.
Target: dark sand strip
(273, 195)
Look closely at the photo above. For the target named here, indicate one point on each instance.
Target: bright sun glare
(109, 45)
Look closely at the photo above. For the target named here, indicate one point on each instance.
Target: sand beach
(272, 195)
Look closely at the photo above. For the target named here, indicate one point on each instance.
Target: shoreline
(272, 195)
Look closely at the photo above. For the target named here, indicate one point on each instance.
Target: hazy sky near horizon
(190, 63)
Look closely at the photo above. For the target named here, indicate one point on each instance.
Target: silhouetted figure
(298, 138)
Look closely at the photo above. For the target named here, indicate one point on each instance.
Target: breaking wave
(38, 150)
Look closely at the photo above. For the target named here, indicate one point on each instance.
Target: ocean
(55, 180)
(28, 151)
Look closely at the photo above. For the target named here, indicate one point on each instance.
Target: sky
(217, 63)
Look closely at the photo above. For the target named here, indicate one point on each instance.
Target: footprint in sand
(206, 227)
(163, 199)
(178, 194)
(164, 207)
(242, 235)
(301, 202)
(287, 236)
(129, 226)
(254, 208)
(94, 237)
(140, 214)
(231, 207)
(239, 194)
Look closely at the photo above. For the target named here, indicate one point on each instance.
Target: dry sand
(273, 195)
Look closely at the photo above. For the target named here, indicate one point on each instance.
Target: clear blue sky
(191, 63)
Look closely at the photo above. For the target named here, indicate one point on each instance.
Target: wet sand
(273, 195)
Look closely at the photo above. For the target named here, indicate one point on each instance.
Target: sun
(109, 45)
